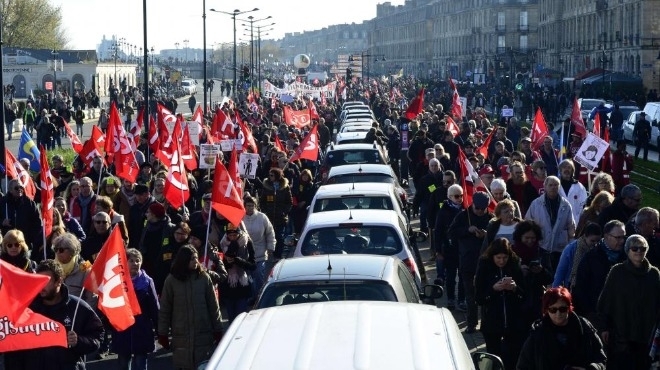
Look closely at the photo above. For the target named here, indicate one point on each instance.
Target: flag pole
(208, 228)
(98, 184)
(43, 234)
(561, 141)
(75, 312)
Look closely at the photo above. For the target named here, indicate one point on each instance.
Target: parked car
(341, 277)
(189, 86)
(339, 155)
(354, 137)
(587, 105)
(358, 231)
(347, 335)
(629, 126)
(361, 173)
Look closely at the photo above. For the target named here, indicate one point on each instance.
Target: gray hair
(454, 188)
(630, 191)
(646, 214)
(550, 179)
(67, 240)
(498, 184)
(636, 240)
(102, 216)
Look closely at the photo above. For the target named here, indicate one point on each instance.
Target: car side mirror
(432, 292)
(487, 361)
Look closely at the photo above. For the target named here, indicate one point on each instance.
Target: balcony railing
(523, 27)
(500, 28)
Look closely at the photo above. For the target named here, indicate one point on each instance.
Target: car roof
(364, 266)
(352, 135)
(343, 335)
(352, 146)
(369, 217)
(366, 188)
(361, 167)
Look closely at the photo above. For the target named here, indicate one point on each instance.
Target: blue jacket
(139, 338)
(565, 266)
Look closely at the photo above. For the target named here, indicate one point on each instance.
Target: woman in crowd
(189, 311)
(15, 251)
(561, 339)
(238, 260)
(71, 192)
(504, 223)
(302, 193)
(110, 186)
(499, 292)
(104, 204)
(67, 254)
(262, 234)
(573, 253)
(499, 193)
(628, 305)
(590, 214)
(70, 224)
(602, 183)
(133, 345)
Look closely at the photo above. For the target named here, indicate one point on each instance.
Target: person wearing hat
(629, 305)
(469, 230)
(45, 130)
(642, 135)
(531, 155)
(142, 199)
(155, 237)
(209, 255)
(238, 252)
(486, 174)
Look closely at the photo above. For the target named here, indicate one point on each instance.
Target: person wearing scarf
(238, 260)
(15, 251)
(572, 255)
(67, 249)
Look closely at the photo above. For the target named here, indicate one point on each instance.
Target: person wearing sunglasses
(561, 339)
(96, 237)
(67, 254)
(628, 307)
(15, 251)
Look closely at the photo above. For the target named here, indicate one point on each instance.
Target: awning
(590, 72)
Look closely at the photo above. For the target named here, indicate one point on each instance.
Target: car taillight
(411, 266)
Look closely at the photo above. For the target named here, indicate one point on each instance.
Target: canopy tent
(612, 77)
(589, 73)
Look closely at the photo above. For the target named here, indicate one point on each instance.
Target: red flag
(597, 125)
(176, 183)
(224, 197)
(278, 144)
(76, 144)
(313, 113)
(456, 106)
(154, 141)
(309, 147)
(539, 130)
(19, 324)
(136, 127)
(468, 178)
(483, 149)
(109, 278)
(234, 173)
(47, 193)
(452, 126)
(222, 125)
(416, 106)
(246, 135)
(323, 101)
(118, 147)
(576, 119)
(272, 103)
(90, 151)
(16, 171)
(98, 137)
(198, 118)
(296, 118)
(188, 152)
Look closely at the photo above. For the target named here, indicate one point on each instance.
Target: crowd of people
(531, 224)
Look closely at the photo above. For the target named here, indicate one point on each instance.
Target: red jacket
(619, 165)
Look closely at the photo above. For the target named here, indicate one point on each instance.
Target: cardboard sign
(208, 154)
(194, 129)
(591, 151)
(226, 145)
(507, 112)
(247, 165)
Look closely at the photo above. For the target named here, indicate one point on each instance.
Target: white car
(369, 173)
(358, 231)
(629, 126)
(587, 105)
(355, 128)
(357, 195)
(355, 137)
(347, 104)
(189, 86)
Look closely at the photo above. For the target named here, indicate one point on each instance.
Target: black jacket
(469, 245)
(156, 251)
(582, 347)
(444, 218)
(87, 326)
(136, 222)
(23, 214)
(500, 311)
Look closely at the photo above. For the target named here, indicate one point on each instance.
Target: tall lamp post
(233, 15)
(259, 30)
(54, 53)
(252, 21)
(115, 53)
(185, 45)
(603, 61)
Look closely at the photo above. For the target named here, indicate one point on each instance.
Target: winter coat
(500, 311)
(276, 203)
(582, 346)
(555, 237)
(139, 337)
(75, 280)
(23, 215)
(444, 218)
(428, 184)
(469, 245)
(629, 303)
(77, 211)
(73, 226)
(577, 197)
(615, 211)
(92, 245)
(137, 221)
(238, 283)
(261, 233)
(189, 311)
(87, 326)
(156, 251)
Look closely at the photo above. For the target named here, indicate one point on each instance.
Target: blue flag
(28, 149)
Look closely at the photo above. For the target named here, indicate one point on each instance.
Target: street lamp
(603, 61)
(185, 45)
(252, 54)
(259, 30)
(176, 45)
(153, 67)
(233, 15)
(54, 54)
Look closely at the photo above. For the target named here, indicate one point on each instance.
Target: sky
(171, 21)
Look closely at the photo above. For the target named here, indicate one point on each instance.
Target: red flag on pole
(76, 144)
(483, 149)
(539, 130)
(176, 183)
(136, 127)
(576, 119)
(98, 137)
(416, 106)
(468, 178)
(47, 193)
(188, 152)
(456, 106)
(313, 113)
(296, 118)
(109, 278)
(16, 171)
(118, 147)
(597, 125)
(234, 173)
(154, 141)
(309, 147)
(246, 133)
(452, 126)
(91, 150)
(278, 144)
(222, 125)
(224, 197)
(17, 290)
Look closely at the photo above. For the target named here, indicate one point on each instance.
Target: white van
(347, 335)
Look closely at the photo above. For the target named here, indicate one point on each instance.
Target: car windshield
(185, 83)
(280, 294)
(627, 110)
(352, 239)
(353, 202)
(341, 157)
(589, 104)
(348, 178)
